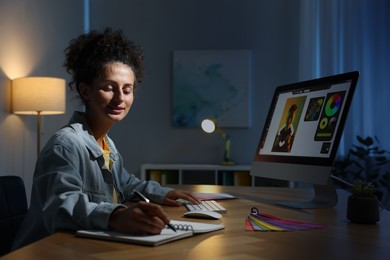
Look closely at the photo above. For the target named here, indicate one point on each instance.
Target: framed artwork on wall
(211, 84)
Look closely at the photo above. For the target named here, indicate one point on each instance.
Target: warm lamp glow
(33, 95)
(38, 96)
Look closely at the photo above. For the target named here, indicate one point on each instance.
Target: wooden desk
(340, 240)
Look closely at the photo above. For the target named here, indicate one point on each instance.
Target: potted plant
(369, 162)
(363, 204)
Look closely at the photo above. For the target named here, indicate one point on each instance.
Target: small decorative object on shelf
(363, 204)
(209, 126)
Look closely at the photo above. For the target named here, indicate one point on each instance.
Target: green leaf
(368, 141)
(360, 139)
(363, 189)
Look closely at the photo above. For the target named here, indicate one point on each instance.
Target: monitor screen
(303, 129)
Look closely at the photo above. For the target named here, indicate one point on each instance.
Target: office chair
(13, 208)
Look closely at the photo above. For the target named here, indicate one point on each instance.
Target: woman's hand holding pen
(173, 195)
(140, 218)
(144, 218)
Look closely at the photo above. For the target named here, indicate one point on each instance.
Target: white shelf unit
(219, 171)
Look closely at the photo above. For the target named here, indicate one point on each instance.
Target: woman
(79, 180)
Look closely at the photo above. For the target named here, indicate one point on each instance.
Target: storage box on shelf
(198, 174)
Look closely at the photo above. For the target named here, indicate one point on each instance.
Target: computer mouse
(202, 214)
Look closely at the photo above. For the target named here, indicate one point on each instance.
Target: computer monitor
(302, 133)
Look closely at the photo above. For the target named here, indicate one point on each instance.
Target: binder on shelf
(169, 177)
(155, 175)
(242, 178)
(228, 179)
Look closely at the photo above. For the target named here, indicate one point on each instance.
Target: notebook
(184, 229)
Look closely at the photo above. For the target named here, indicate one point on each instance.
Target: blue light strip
(86, 16)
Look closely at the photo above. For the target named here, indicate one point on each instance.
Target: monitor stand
(325, 196)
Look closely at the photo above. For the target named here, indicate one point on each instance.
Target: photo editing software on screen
(304, 121)
(302, 133)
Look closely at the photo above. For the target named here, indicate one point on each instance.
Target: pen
(142, 197)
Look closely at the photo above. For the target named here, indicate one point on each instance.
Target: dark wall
(268, 28)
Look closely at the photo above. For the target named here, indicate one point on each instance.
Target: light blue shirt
(72, 188)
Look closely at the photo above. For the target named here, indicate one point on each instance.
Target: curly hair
(86, 56)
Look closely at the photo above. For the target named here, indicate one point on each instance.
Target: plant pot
(363, 210)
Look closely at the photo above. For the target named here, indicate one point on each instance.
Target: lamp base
(228, 163)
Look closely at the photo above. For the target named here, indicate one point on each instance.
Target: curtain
(338, 36)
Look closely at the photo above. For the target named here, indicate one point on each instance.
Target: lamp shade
(208, 125)
(33, 95)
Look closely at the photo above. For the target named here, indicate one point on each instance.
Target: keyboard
(209, 205)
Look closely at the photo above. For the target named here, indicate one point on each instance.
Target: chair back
(13, 208)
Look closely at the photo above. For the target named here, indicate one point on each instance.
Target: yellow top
(108, 163)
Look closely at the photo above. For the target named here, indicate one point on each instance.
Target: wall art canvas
(211, 84)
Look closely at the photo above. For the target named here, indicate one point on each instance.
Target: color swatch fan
(263, 222)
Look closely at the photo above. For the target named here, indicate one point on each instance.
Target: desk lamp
(38, 96)
(209, 126)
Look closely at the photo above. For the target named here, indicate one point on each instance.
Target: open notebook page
(184, 229)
